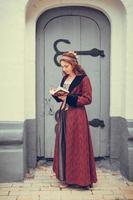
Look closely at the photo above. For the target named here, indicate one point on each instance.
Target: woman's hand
(62, 97)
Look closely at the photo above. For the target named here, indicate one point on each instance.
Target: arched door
(87, 31)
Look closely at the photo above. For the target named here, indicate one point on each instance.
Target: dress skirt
(62, 145)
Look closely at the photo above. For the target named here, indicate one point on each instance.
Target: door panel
(59, 28)
(90, 38)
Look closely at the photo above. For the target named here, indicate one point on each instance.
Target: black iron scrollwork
(93, 52)
(58, 52)
(97, 123)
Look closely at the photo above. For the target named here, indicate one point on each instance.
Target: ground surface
(41, 184)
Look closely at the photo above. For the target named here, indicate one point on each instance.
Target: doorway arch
(86, 29)
(115, 12)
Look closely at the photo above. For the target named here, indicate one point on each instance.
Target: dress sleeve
(85, 97)
(56, 98)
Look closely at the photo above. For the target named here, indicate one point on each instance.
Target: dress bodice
(66, 85)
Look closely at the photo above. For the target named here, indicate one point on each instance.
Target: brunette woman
(74, 162)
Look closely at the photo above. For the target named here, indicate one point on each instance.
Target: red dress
(74, 160)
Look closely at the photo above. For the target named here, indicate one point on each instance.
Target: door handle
(47, 99)
(96, 123)
(51, 107)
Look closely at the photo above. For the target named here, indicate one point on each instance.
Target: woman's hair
(71, 57)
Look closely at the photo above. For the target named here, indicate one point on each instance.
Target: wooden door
(79, 29)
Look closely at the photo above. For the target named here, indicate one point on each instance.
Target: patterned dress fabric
(74, 160)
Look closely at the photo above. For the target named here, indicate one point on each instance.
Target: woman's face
(66, 67)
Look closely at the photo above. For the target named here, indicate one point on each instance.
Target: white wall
(12, 60)
(17, 50)
(129, 61)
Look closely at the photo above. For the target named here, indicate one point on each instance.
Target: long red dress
(78, 160)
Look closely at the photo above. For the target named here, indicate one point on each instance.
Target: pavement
(41, 184)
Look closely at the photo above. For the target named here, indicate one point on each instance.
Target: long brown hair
(71, 58)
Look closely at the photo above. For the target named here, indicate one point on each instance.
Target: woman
(74, 162)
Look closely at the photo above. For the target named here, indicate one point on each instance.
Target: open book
(59, 91)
